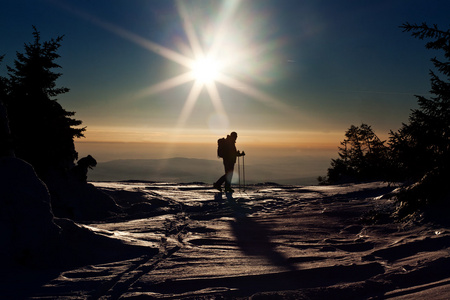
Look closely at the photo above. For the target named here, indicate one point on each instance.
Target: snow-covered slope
(290, 242)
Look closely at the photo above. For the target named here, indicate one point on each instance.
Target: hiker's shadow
(253, 238)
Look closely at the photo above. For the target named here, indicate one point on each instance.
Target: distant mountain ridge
(171, 169)
(182, 170)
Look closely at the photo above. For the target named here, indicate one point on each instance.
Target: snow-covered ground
(269, 241)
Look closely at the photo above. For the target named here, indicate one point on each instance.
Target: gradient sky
(296, 74)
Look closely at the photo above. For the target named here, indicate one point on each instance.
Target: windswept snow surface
(289, 242)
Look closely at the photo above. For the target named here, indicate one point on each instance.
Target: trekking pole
(243, 170)
(239, 173)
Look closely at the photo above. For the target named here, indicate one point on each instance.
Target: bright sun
(203, 67)
(205, 70)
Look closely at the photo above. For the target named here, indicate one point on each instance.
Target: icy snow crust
(290, 242)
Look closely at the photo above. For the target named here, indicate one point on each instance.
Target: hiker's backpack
(221, 147)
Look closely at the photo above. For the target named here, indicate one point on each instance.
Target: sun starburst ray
(215, 98)
(254, 93)
(227, 11)
(189, 104)
(243, 56)
(127, 35)
(163, 86)
(190, 31)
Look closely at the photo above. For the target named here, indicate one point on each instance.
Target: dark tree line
(362, 157)
(419, 151)
(424, 143)
(41, 130)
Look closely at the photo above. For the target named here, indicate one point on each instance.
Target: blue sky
(302, 71)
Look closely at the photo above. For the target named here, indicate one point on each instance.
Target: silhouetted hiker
(81, 169)
(227, 150)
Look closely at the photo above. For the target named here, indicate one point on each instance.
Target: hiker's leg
(229, 169)
(229, 177)
(221, 180)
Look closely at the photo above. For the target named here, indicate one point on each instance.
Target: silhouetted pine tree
(424, 143)
(421, 148)
(42, 130)
(362, 156)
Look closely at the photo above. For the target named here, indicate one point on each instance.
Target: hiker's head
(233, 135)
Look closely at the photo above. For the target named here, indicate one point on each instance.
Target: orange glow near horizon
(273, 139)
(263, 147)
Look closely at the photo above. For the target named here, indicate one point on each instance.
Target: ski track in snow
(289, 240)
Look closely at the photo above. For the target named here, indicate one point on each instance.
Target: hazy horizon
(302, 171)
(263, 163)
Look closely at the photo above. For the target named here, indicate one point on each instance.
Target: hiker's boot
(229, 190)
(217, 186)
